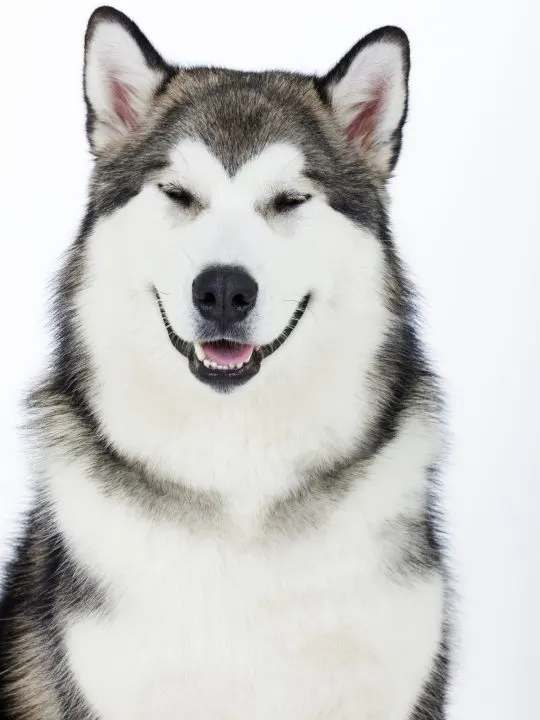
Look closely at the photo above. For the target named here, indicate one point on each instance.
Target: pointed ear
(368, 91)
(122, 72)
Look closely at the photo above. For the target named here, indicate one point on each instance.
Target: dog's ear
(368, 91)
(122, 72)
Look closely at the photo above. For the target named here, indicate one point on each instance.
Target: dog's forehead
(237, 115)
(274, 166)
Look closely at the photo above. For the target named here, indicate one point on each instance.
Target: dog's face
(238, 222)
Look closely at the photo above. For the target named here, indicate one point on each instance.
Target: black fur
(42, 583)
(433, 701)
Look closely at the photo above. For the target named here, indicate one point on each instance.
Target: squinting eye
(285, 203)
(179, 195)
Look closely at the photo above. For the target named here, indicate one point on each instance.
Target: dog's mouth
(226, 363)
(224, 355)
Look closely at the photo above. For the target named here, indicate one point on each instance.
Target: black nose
(224, 294)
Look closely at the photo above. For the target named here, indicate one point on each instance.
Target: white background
(465, 194)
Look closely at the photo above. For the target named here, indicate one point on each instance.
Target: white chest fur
(226, 626)
(204, 633)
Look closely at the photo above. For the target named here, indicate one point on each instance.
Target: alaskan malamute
(237, 441)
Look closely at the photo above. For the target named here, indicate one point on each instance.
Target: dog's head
(236, 233)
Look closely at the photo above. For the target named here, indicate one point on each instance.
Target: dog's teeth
(213, 365)
(199, 352)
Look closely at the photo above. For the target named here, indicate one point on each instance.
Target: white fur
(148, 242)
(233, 624)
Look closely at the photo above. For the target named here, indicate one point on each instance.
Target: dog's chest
(210, 630)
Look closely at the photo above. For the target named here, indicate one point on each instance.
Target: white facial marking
(143, 385)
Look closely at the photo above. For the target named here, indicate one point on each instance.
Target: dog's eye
(284, 203)
(179, 195)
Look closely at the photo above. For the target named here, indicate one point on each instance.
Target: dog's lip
(259, 353)
(182, 346)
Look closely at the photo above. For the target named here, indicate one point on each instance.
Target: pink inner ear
(122, 95)
(363, 126)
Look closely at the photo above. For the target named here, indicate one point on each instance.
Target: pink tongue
(227, 355)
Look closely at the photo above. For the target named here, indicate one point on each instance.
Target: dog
(237, 444)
